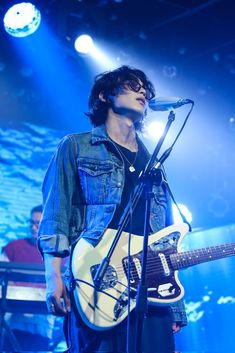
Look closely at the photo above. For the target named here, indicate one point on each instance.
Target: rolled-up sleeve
(179, 313)
(59, 186)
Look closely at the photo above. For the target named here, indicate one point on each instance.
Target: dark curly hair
(36, 209)
(109, 83)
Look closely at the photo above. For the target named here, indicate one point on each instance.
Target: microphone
(167, 103)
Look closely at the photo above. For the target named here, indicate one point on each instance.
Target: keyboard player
(32, 331)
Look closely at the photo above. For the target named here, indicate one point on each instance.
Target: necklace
(131, 167)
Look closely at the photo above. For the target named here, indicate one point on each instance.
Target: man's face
(34, 223)
(131, 100)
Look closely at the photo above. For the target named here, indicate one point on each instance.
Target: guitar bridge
(110, 278)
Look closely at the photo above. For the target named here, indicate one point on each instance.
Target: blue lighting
(155, 129)
(84, 44)
(184, 209)
(22, 19)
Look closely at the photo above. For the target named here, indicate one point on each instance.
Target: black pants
(157, 334)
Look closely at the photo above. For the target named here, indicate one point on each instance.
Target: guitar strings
(154, 265)
(104, 292)
(98, 290)
(134, 276)
(184, 258)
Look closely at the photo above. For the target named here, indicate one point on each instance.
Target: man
(25, 250)
(33, 332)
(85, 191)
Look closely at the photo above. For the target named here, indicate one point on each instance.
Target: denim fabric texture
(81, 190)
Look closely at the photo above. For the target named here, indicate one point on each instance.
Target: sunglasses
(136, 86)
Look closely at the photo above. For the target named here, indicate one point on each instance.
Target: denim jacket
(81, 190)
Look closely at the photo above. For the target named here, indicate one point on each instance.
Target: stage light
(96, 54)
(155, 129)
(184, 209)
(232, 123)
(102, 58)
(84, 44)
(22, 19)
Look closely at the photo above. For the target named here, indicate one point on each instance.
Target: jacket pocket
(95, 179)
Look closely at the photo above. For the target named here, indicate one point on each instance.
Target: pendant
(132, 168)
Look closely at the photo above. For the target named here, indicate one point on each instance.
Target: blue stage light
(84, 44)
(22, 19)
(155, 129)
(184, 209)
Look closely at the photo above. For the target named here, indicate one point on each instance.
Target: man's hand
(57, 299)
(176, 327)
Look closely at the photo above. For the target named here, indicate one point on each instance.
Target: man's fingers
(55, 306)
(67, 302)
(57, 299)
(59, 309)
(176, 328)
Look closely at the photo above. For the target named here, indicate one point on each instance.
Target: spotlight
(22, 19)
(232, 123)
(155, 129)
(84, 44)
(184, 209)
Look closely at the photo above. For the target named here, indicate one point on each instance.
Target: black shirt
(131, 178)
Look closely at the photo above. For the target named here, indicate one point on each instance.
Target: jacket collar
(99, 134)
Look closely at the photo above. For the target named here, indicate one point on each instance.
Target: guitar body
(105, 308)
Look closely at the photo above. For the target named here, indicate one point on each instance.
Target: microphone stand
(152, 173)
(135, 198)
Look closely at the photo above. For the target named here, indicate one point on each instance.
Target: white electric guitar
(105, 307)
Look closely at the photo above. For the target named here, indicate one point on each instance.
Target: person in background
(32, 331)
(86, 189)
(25, 250)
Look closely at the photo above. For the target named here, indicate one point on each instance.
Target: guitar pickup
(135, 269)
(164, 263)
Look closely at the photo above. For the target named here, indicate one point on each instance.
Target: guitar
(107, 306)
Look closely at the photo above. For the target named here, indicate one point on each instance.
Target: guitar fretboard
(194, 257)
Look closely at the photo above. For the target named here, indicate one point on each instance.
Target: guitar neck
(195, 257)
